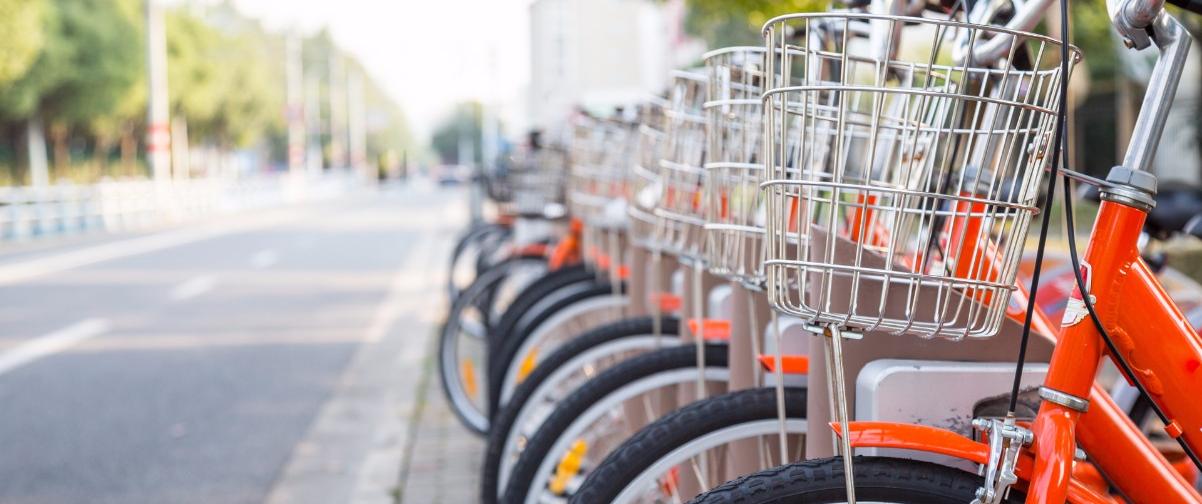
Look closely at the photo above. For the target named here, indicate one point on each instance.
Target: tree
(91, 58)
(21, 29)
(724, 23)
(462, 126)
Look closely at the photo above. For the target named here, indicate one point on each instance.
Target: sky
(428, 54)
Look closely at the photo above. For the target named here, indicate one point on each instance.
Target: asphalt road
(187, 365)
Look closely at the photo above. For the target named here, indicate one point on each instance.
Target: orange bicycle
(943, 123)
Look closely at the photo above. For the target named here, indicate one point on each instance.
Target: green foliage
(1092, 33)
(93, 56)
(724, 23)
(21, 29)
(464, 122)
(80, 66)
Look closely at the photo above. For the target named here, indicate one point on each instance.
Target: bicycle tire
(475, 233)
(679, 428)
(448, 343)
(575, 406)
(535, 292)
(507, 417)
(503, 354)
(878, 479)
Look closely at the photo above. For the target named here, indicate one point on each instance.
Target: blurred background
(221, 221)
(102, 89)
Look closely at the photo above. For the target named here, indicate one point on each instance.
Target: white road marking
(52, 343)
(193, 287)
(265, 258)
(25, 270)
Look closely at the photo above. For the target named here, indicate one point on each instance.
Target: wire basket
(680, 214)
(539, 179)
(734, 228)
(601, 151)
(643, 184)
(900, 189)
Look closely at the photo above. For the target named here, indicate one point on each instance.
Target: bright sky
(428, 54)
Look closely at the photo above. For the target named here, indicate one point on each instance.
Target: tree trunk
(62, 155)
(129, 149)
(104, 145)
(39, 171)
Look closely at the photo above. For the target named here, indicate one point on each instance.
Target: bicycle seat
(1176, 204)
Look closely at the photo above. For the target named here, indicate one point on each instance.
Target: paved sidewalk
(443, 461)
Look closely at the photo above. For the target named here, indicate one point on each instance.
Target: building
(602, 53)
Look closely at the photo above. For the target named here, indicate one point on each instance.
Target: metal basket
(600, 154)
(680, 214)
(734, 228)
(900, 189)
(643, 184)
(538, 179)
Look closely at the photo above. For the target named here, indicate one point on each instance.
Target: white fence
(117, 205)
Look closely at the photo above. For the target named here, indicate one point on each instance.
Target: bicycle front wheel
(878, 479)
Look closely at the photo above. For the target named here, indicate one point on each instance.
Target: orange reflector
(528, 364)
(467, 369)
(602, 260)
(670, 482)
(791, 364)
(568, 467)
(711, 329)
(667, 302)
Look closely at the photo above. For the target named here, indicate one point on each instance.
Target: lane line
(52, 343)
(25, 270)
(265, 258)
(193, 287)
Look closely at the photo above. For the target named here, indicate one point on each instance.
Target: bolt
(1129, 43)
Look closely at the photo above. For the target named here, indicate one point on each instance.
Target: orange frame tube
(1158, 342)
(1170, 370)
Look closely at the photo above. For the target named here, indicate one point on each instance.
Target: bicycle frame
(1148, 330)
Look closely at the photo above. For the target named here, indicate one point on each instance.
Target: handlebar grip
(1194, 6)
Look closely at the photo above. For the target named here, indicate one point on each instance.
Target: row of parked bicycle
(818, 248)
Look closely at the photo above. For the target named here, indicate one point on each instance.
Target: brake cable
(1058, 157)
(1097, 322)
(1045, 219)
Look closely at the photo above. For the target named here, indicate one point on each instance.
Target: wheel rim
(558, 385)
(649, 480)
(542, 340)
(537, 488)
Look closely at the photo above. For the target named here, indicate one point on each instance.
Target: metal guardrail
(116, 205)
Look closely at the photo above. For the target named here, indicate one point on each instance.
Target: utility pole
(357, 125)
(158, 139)
(294, 70)
(337, 96)
(313, 124)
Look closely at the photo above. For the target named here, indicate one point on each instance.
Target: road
(217, 362)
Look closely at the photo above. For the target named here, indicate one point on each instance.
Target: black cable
(1058, 139)
(1058, 157)
(1097, 322)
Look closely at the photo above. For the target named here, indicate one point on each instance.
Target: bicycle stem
(1173, 43)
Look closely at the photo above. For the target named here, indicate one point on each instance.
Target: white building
(602, 53)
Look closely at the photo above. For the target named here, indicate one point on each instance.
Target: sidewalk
(443, 461)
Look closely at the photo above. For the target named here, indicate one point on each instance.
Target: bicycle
(1039, 458)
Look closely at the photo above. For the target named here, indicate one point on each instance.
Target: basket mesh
(679, 212)
(734, 228)
(899, 190)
